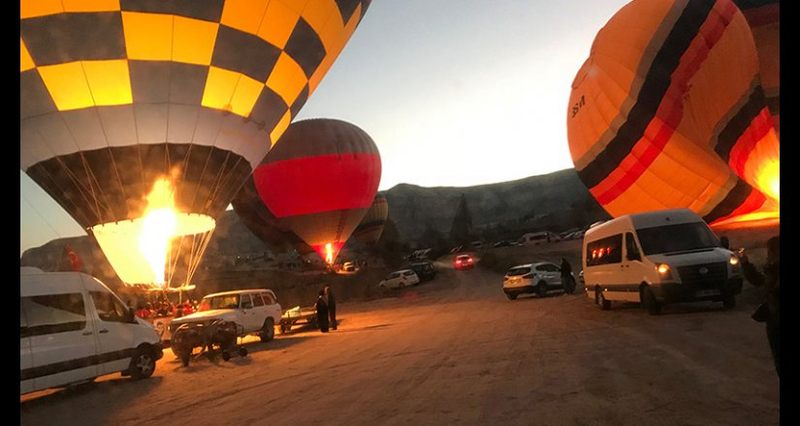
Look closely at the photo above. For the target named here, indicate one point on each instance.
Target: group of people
(326, 309)
(165, 308)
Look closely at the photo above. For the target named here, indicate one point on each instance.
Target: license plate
(706, 293)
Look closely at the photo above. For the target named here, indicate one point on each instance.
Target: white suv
(538, 278)
(255, 311)
(400, 279)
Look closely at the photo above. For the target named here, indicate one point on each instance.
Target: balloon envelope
(370, 229)
(657, 118)
(142, 119)
(319, 181)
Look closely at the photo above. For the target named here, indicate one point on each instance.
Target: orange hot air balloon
(319, 181)
(764, 19)
(369, 231)
(657, 118)
(143, 118)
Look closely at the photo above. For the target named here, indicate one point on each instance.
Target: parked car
(539, 278)
(425, 270)
(74, 329)
(400, 279)
(255, 311)
(463, 261)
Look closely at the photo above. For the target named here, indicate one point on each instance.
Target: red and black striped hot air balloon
(143, 118)
(668, 111)
(260, 221)
(319, 181)
(369, 231)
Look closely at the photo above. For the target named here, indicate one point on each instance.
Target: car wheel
(541, 288)
(600, 299)
(143, 364)
(268, 330)
(649, 301)
(511, 296)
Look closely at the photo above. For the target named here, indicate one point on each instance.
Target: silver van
(73, 329)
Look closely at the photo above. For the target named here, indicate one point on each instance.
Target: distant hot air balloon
(319, 181)
(668, 111)
(369, 231)
(143, 118)
(260, 221)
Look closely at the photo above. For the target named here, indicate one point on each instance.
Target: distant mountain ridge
(557, 200)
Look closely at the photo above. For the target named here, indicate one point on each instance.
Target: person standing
(566, 276)
(331, 306)
(322, 311)
(770, 279)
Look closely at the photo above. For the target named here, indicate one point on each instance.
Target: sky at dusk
(453, 92)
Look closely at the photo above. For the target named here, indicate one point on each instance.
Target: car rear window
(517, 271)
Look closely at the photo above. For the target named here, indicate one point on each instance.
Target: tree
(461, 232)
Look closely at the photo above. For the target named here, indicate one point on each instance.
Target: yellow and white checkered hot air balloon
(143, 118)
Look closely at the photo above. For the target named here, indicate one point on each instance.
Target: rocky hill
(557, 201)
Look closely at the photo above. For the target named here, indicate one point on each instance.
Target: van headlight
(735, 264)
(664, 271)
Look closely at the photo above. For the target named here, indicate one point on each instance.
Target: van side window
(108, 308)
(631, 248)
(604, 251)
(53, 313)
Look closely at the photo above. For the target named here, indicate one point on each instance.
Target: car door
(115, 337)
(551, 274)
(62, 338)
(250, 319)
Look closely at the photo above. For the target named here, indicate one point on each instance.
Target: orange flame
(158, 226)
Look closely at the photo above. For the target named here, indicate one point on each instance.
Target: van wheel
(142, 364)
(268, 330)
(541, 288)
(600, 299)
(649, 301)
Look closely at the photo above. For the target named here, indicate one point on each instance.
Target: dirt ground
(455, 351)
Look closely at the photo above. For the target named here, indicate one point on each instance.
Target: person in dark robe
(322, 311)
(566, 276)
(331, 306)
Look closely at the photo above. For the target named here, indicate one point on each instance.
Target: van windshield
(676, 238)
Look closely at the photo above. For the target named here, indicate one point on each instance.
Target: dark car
(425, 270)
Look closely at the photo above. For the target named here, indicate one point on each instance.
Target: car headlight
(664, 271)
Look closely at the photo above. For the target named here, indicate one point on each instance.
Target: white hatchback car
(400, 279)
(539, 278)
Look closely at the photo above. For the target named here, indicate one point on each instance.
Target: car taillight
(458, 262)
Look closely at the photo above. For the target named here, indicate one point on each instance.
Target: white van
(535, 238)
(74, 329)
(656, 258)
